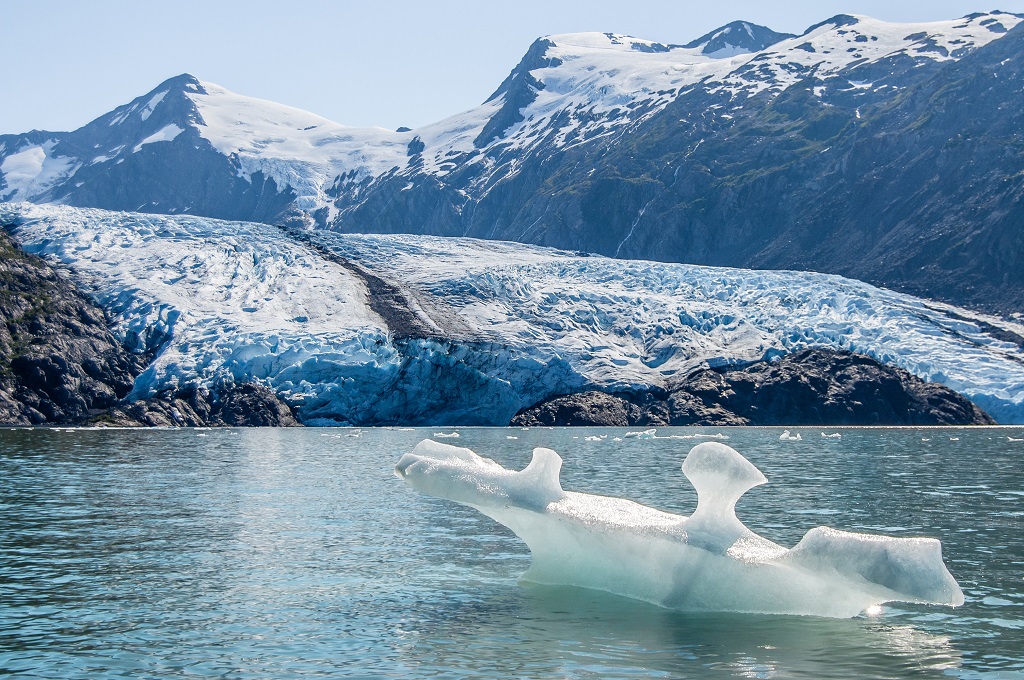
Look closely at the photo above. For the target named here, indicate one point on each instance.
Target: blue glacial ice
(219, 301)
(708, 561)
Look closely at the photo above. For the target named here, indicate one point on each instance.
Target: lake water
(248, 553)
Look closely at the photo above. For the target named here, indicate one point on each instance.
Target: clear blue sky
(386, 63)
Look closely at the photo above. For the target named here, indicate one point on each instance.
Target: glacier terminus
(489, 328)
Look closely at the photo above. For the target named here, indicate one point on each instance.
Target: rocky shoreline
(244, 405)
(812, 387)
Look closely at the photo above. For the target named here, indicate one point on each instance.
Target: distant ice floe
(708, 561)
(652, 433)
(716, 435)
(787, 437)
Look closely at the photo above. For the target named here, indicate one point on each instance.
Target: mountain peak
(838, 21)
(185, 82)
(167, 103)
(737, 37)
(535, 57)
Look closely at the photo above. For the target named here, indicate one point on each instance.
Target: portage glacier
(472, 331)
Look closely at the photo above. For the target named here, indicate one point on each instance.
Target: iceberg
(708, 561)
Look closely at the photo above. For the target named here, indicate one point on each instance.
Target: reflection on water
(273, 553)
(569, 628)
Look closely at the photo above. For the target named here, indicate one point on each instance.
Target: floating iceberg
(708, 561)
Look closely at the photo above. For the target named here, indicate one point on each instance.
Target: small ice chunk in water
(707, 561)
(787, 437)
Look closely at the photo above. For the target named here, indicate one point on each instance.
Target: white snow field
(708, 561)
(297, 148)
(516, 324)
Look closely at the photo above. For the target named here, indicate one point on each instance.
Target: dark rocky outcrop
(247, 404)
(812, 387)
(59, 363)
(595, 409)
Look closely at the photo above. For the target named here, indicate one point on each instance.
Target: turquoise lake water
(271, 553)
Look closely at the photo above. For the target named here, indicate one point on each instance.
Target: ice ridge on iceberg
(707, 561)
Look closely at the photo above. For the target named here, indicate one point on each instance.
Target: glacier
(507, 325)
(708, 561)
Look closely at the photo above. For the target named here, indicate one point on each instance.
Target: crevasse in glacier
(707, 561)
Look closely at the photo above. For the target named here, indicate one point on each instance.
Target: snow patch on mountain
(33, 170)
(593, 85)
(151, 105)
(23, 166)
(164, 134)
(597, 73)
(244, 301)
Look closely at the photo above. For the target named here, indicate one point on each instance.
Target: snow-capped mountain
(883, 152)
(738, 37)
(742, 147)
(194, 147)
(501, 325)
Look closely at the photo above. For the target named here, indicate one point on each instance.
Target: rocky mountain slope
(61, 365)
(883, 152)
(418, 330)
(58, 361)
